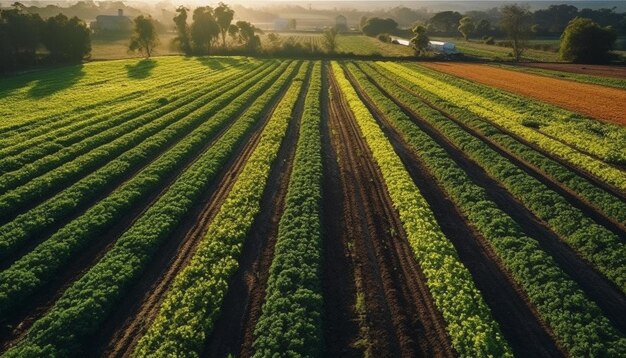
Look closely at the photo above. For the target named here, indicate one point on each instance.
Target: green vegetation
(577, 77)
(577, 321)
(469, 323)
(291, 318)
(193, 302)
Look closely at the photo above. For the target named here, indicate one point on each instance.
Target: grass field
(251, 207)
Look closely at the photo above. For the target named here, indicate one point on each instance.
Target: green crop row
(610, 205)
(291, 318)
(18, 232)
(468, 320)
(606, 141)
(596, 244)
(24, 150)
(88, 302)
(76, 160)
(506, 119)
(577, 322)
(195, 297)
(36, 268)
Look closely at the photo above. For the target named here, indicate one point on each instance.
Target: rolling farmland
(255, 207)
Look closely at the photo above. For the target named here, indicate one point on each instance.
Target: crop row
(469, 322)
(604, 140)
(83, 157)
(608, 204)
(16, 233)
(602, 248)
(84, 306)
(291, 318)
(87, 87)
(505, 118)
(37, 144)
(576, 321)
(195, 297)
(36, 268)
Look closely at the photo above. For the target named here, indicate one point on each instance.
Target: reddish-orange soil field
(595, 70)
(595, 101)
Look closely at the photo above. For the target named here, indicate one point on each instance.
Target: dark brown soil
(595, 70)
(122, 331)
(233, 332)
(608, 297)
(401, 317)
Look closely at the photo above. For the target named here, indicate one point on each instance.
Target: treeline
(27, 40)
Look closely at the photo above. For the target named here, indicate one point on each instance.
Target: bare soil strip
(233, 331)
(519, 322)
(595, 70)
(401, 315)
(341, 322)
(121, 332)
(599, 102)
(602, 291)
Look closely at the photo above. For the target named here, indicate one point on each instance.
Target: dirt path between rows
(233, 331)
(598, 288)
(598, 102)
(123, 329)
(509, 306)
(595, 70)
(401, 317)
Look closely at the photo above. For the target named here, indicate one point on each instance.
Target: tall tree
(466, 27)
(68, 40)
(182, 39)
(330, 39)
(248, 36)
(445, 21)
(204, 29)
(375, 26)
(515, 22)
(483, 28)
(223, 16)
(144, 38)
(584, 41)
(420, 41)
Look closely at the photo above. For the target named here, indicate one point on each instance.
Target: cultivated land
(592, 100)
(231, 205)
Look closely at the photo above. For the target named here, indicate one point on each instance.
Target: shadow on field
(62, 79)
(141, 69)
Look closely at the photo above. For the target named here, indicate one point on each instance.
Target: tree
(466, 27)
(483, 28)
(68, 40)
(445, 21)
(204, 29)
(183, 39)
(330, 39)
(223, 16)
(420, 41)
(375, 25)
(144, 38)
(247, 36)
(584, 41)
(515, 22)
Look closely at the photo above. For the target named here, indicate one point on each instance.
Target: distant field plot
(365, 45)
(610, 76)
(478, 49)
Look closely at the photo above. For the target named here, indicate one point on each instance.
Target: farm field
(250, 207)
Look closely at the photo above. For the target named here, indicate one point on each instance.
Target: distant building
(341, 23)
(112, 23)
